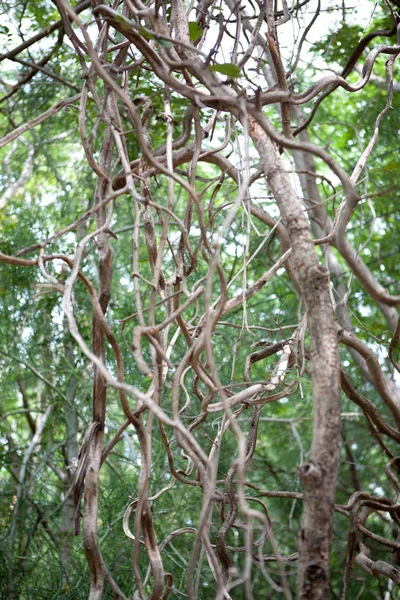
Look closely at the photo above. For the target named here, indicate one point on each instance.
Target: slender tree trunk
(70, 455)
(95, 446)
(319, 475)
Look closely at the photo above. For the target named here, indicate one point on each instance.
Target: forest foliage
(199, 281)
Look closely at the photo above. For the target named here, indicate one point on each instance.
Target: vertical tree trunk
(95, 446)
(70, 455)
(319, 475)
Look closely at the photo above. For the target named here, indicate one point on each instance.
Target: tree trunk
(319, 475)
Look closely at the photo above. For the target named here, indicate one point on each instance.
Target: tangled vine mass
(200, 280)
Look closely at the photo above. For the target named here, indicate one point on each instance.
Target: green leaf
(164, 43)
(195, 31)
(145, 34)
(391, 166)
(122, 22)
(228, 69)
(396, 352)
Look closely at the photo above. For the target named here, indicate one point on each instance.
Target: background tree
(199, 300)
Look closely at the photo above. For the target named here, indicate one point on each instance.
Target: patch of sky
(26, 334)
(235, 248)
(125, 281)
(57, 316)
(364, 310)
(377, 489)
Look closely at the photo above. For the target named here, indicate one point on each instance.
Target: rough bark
(95, 447)
(319, 475)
